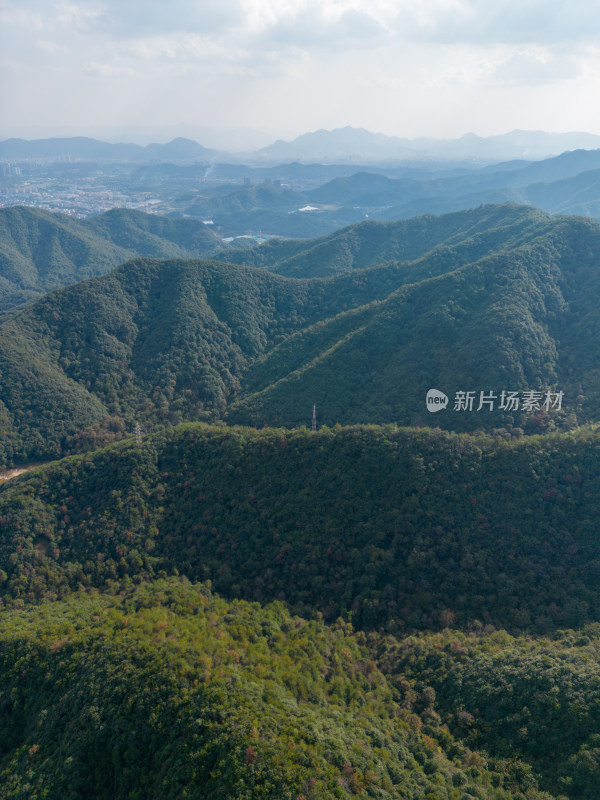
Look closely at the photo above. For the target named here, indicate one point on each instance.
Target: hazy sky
(404, 67)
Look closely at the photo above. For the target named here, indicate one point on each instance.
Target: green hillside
(153, 235)
(155, 342)
(399, 528)
(160, 342)
(522, 319)
(533, 701)
(41, 251)
(248, 198)
(165, 691)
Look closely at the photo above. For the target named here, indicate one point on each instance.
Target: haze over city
(240, 73)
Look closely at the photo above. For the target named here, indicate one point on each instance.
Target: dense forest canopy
(166, 691)
(395, 528)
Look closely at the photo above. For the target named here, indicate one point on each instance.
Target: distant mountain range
(87, 149)
(342, 145)
(567, 184)
(358, 145)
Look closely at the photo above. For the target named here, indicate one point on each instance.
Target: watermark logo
(529, 401)
(436, 400)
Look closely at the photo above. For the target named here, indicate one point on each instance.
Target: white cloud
(49, 46)
(138, 18)
(386, 64)
(535, 65)
(77, 16)
(313, 25)
(480, 22)
(108, 70)
(18, 17)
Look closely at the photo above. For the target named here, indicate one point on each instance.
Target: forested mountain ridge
(481, 324)
(478, 232)
(511, 308)
(152, 341)
(41, 251)
(153, 234)
(401, 529)
(516, 319)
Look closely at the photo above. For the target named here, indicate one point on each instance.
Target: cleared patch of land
(7, 474)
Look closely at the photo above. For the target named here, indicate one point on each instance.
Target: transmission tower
(314, 418)
(139, 432)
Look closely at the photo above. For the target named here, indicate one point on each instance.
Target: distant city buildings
(9, 170)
